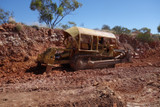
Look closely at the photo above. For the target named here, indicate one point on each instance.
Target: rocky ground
(23, 84)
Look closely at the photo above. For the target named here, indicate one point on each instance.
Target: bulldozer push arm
(53, 56)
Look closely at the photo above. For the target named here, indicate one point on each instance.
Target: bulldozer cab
(87, 40)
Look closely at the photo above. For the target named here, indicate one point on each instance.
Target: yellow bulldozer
(84, 49)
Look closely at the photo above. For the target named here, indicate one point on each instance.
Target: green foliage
(144, 37)
(68, 25)
(105, 27)
(156, 37)
(18, 27)
(125, 30)
(65, 26)
(52, 12)
(117, 29)
(145, 30)
(60, 11)
(4, 16)
(135, 30)
(72, 23)
(35, 27)
(158, 28)
(121, 30)
(23, 23)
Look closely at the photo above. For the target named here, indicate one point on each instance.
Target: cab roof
(74, 31)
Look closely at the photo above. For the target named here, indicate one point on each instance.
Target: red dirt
(22, 84)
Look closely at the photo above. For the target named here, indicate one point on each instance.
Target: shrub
(23, 23)
(156, 37)
(35, 27)
(144, 37)
(18, 27)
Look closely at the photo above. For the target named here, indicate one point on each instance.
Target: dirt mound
(143, 49)
(21, 43)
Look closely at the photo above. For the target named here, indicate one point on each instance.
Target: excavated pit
(23, 84)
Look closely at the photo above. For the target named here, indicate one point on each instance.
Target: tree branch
(53, 24)
(62, 17)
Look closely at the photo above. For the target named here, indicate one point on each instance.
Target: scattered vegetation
(143, 34)
(105, 27)
(145, 30)
(135, 30)
(144, 37)
(156, 37)
(158, 28)
(18, 27)
(68, 25)
(35, 27)
(121, 30)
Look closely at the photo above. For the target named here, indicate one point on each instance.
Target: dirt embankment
(20, 44)
(23, 84)
(142, 49)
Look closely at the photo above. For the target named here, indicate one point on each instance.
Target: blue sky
(96, 13)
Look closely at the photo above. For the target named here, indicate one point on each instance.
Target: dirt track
(134, 86)
(23, 84)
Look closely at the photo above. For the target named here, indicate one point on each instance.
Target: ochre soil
(23, 84)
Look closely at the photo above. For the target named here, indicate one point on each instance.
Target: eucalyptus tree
(52, 12)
